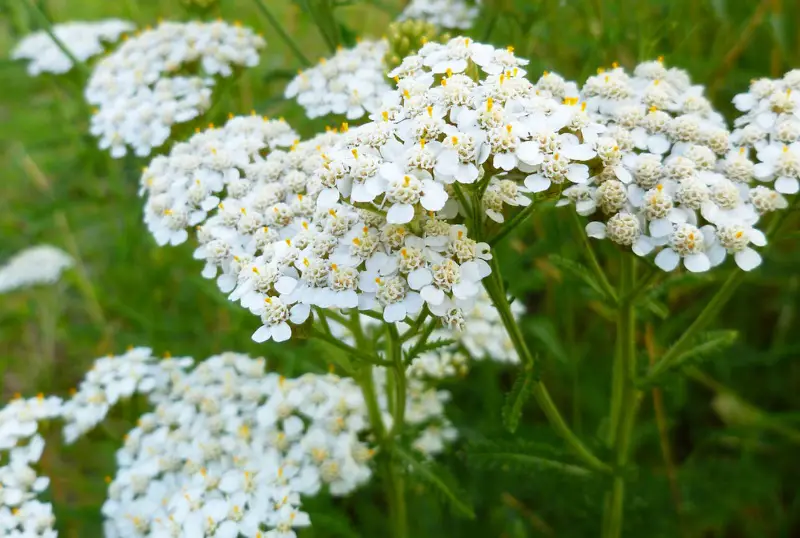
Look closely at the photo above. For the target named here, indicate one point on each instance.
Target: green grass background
(729, 476)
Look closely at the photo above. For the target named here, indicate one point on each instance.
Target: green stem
(276, 25)
(47, 26)
(624, 399)
(365, 357)
(708, 314)
(494, 288)
(588, 249)
(399, 371)
(463, 199)
(512, 224)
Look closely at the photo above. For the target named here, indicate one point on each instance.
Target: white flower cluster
(82, 39)
(137, 97)
(42, 264)
(111, 379)
(770, 127)
(456, 14)
(352, 82)
(281, 253)
(228, 449)
(664, 176)
(21, 513)
(184, 186)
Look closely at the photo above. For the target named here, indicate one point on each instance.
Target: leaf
(706, 346)
(437, 478)
(579, 271)
(520, 392)
(524, 456)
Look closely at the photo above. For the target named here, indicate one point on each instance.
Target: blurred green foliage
(731, 473)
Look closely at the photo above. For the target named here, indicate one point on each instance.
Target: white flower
(443, 13)
(274, 316)
(781, 163)
(352, 82)
(686, 242)
(42, 264)
(82, 39)
(735, 239)
(137, 104)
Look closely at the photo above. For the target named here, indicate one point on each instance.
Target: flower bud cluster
(769, 128)
(161, 77)
(351, 83)
(42, 264)
(665, 177)
(82, 39)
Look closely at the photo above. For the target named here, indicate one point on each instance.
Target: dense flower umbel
(280, 251)
(456, 14)
(228, 449)
(21, 513)
(184, 186)
(143, 88)
(351, 83)
(42, 264)
(463, 113)
(82, 39)
(664, 177)
(769, 130)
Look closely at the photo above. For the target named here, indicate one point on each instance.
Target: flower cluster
(447, 125)
(42, 264)
(184, 186)
(664, 177)
(112, 379)
(229, 449)
(456, 14)
(21, 513)
(82, 39)
(770, 127)
(143, 88)
(352, 82)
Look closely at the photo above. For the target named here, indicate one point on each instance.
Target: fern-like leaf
(439, 480)
(524, 456)
(579, 271)
(520, 392)
(707, 346)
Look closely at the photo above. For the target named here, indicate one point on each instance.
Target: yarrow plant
(161, 77)
(83, 40)
(377, 240)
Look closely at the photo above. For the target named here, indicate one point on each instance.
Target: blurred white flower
(82, 39)
(42, 264)
(456, 14)
(351, 83)
(136, 97)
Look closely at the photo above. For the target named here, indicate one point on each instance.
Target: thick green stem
(398, 508)
(391, 473)
(278, 27)
(624, 397)
(494, 288)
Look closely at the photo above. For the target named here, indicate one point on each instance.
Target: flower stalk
(625, 397)
(276, 25)
(494, 288)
